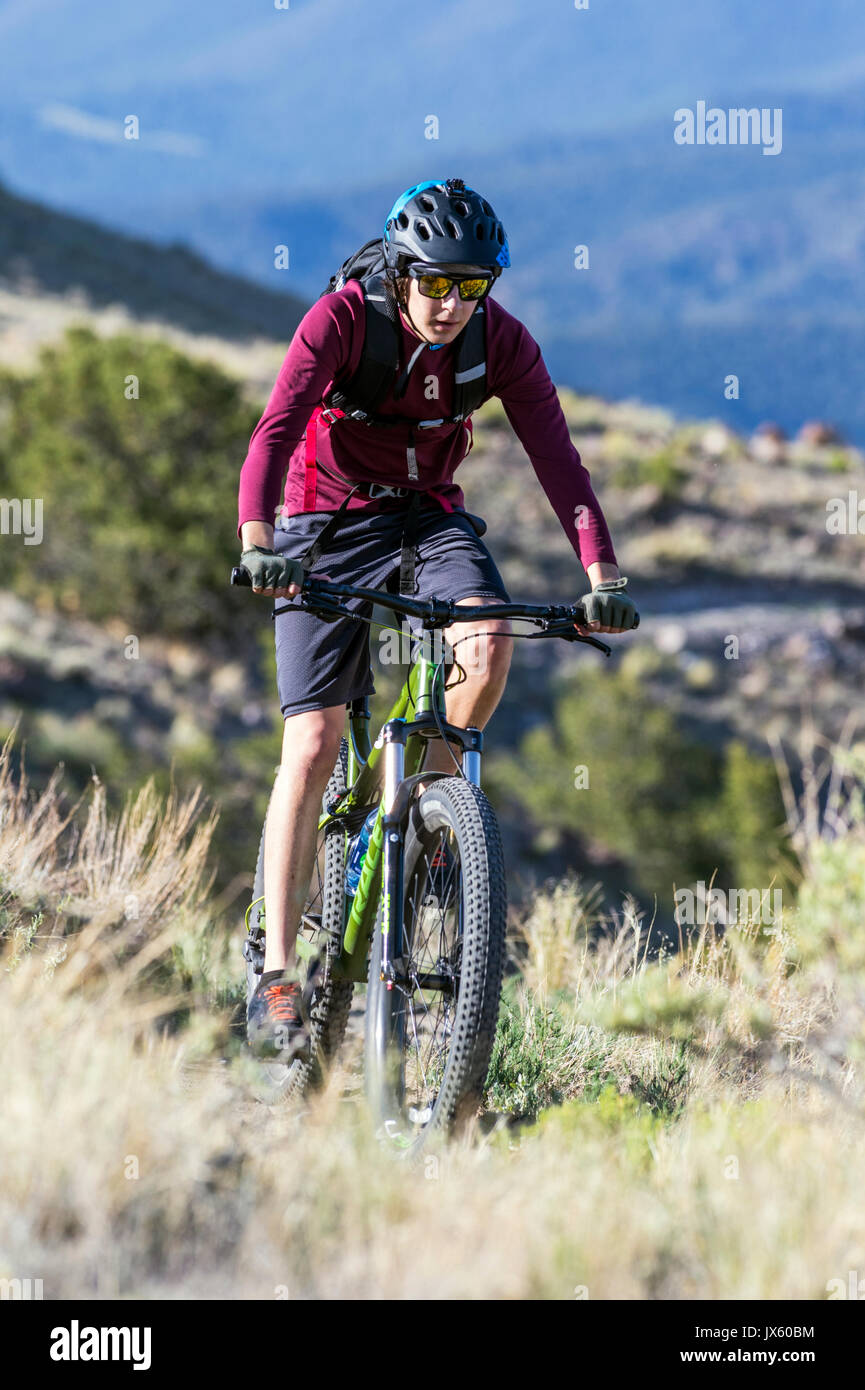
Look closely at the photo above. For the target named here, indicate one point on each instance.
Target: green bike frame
(385, 773)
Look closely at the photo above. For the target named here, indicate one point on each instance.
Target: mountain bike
(425, 924)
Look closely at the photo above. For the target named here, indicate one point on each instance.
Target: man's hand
(608, 609)
(273, 575)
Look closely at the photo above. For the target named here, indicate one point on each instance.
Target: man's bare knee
(311, 741)
(500, 648)
(485, 655)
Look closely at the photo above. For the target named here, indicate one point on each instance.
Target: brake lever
(564, 627)
(592, 642)
(328, 609)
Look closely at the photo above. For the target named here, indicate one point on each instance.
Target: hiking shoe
(276, 1027)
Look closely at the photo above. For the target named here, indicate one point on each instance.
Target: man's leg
(485, 657)
(310, 746)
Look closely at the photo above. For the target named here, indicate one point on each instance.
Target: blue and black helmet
(444, 223)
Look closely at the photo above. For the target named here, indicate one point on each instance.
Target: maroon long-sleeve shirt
(327, 346)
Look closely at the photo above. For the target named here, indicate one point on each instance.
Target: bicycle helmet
(444, 223)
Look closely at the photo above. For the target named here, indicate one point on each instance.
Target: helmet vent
(452, 228)
(479, 231)
(423, 230)
(461, 209)
(426, 204)
(486, 207)
(402, 220)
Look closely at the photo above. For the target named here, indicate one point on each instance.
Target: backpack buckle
(330, 413)
(375, 490)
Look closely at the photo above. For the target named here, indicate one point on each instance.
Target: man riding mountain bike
(368, 422)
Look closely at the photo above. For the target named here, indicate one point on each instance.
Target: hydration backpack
(359, 397)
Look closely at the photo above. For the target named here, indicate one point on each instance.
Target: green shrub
(139, 495)
(672, 809)
(662, 470)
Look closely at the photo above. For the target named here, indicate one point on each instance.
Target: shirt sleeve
(518, 376)
(322, 348)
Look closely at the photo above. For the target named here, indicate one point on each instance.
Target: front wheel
(429, 1037)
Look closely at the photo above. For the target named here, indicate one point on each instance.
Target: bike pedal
(254, 953)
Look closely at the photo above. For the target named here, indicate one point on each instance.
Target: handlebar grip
(240, 575)
(636, 622)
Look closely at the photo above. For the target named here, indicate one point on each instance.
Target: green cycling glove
(610, 605)
(270, 571)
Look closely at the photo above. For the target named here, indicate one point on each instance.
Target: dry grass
(108, 897)
(136, 1164)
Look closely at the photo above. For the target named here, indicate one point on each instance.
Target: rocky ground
(752, 611)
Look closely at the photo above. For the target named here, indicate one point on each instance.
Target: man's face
(441, 320)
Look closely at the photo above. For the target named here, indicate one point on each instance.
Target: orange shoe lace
(281, 1002)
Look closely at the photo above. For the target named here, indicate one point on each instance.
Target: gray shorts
(321, 664)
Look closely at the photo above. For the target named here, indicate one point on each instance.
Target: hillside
(722, 537)
(45, 254)
(684, 1130)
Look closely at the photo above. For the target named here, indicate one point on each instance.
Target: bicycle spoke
(431, 946)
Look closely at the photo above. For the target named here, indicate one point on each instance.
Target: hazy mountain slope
(284, 100)
(41, 249)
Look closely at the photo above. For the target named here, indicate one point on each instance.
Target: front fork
(394, 735)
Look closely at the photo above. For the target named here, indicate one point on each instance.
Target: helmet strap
(404, 310)
(428, 342)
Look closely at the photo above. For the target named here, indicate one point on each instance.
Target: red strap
(310, 470)
(310, 479)
(448, 506)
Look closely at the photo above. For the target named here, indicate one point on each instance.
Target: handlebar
(321, 597)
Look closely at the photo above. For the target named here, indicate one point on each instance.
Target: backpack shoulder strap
(361, 396)
(470, 368)
(363, 393)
